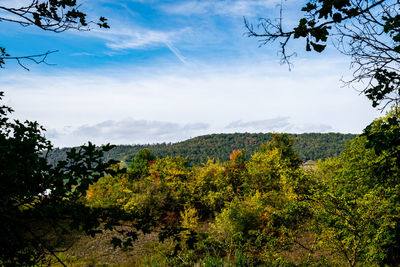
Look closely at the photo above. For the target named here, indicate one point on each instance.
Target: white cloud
(278, 124)
(134, 131)
(311, 128)
(83, 54)
(274, 124)
(129, 39)
(252, 97)
(225, 7)
(176, 52)
(122, 38)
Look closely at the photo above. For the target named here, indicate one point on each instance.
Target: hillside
(309, 146)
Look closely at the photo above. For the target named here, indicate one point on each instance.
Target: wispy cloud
(274, 124)
(311, 128)
(137, 38)
(83, 54)
(227, 7)
(176, 52)
(129, 39)
(278, 124)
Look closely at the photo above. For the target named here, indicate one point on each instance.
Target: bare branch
(38, 59)
(366, 31)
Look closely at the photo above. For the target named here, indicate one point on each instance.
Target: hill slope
(310, 146)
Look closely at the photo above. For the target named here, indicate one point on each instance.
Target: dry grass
(98, 251)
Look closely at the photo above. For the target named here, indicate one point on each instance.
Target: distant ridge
(309, 146)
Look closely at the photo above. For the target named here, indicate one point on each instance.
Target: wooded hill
(309, 146)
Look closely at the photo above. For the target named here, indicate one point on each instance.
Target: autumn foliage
(266, 209)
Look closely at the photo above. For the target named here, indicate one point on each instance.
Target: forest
(215, 200)
(263, 209)
(309, 146)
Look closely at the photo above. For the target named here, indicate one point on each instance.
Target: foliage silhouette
(34, 193)
(49, 15)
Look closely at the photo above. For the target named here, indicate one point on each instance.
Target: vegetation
(41, 203)
(34, 193)
(265, 209)
(309, 146)
(260, 207)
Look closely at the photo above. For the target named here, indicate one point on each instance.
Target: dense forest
(309, 146)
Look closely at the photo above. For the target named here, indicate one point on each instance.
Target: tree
(366, 31)
(49, 15)
(268, 215)
(284, 144)
(36, 198)
(355, 204)
(141, 163)
(383, 135)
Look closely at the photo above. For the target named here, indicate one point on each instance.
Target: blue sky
(171, 70)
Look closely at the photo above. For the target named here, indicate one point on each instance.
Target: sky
(168, 70)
